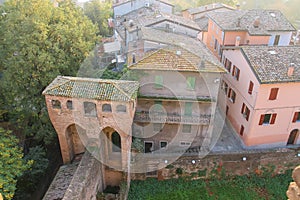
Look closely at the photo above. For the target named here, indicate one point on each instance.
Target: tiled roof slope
(209, 7)
(126, 1)
(99, 89)
(174, 58)
(243, 20)
(271, 64)
(192, 45)
(147, 16)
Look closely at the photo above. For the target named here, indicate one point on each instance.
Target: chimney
(237, 41)
(291, 69)
(256, 22)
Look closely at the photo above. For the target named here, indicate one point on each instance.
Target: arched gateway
(93, 111)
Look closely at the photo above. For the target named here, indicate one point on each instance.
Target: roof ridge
(122, 91)
(49, 87)
(147, 56)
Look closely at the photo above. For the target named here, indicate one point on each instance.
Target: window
(56, 104)
(216, 44)
(188, 108)
(89, 108)
(236, 72)
(163, 144)
(185, 144)
(158, 81)
(245, 111)
(186, 128)
(250, 88)
(242, 130)
(157, 107)
(227, 65)
(116, 141)
(121, 108)
(69, 105)
(157, 127)
(267, 119)
(231, 95)
(276, 40)
(106, 108)
(225, 87)
(273, 93)
(296, 117)
(191, 83)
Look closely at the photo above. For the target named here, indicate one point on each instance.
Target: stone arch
(76, 139)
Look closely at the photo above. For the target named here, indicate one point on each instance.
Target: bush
(179, 171)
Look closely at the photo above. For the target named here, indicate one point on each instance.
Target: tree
(39, 42)
(99, 12)
(11, 163)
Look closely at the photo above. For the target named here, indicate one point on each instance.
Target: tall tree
(11, 163)
(39, 42)
(99, 12)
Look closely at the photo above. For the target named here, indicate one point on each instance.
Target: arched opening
(116, 142)
(293, 137)
(75, 136)
(106, 108)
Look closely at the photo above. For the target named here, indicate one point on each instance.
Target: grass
(231, 188)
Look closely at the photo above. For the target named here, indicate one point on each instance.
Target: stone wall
(293, 192)
(87, 180)
(240, 163)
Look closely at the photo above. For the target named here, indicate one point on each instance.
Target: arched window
(90, 109)
(121, 108)
(56, 104)
(116, 141)
(70, 105)
(106, 108)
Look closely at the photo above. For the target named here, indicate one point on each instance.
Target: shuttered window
(267, 119)
(273, 93)
(250, 88)
(190, 82)
(158, 81)
(296, 117)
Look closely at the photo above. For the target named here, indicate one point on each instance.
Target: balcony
(172, 118)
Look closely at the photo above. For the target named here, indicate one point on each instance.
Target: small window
(267, 119)
(296, 117)
(250, 88)
(133, 58)
(186, 128)
(231, 95)
(70, 105)
(276, 40)
(245, 111)
(158, 82)
(106, 108)
(225, 87)
(163, 144)
(227, 65)
(89, 109)
(236, 72)
(56, 104)
(121, 108)
(242, 130)
(188, 108)
(191, 83)
(157, 127)
(273, 93)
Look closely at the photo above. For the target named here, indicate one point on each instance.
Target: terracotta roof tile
(99, 89)
(209, 7)
(271, 63)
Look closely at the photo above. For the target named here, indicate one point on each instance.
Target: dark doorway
(227, 109)
(148, 147)
(293, 137)
(116, 141)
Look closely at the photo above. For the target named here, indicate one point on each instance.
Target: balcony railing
(175, 118)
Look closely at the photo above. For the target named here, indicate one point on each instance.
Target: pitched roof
(192, 45)
(146, 17)
(243, 20)
(87, 88)
(209, 7)
(271, 63)
(126, 1)
(174, 58)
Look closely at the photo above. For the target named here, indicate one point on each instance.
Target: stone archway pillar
(126, 149)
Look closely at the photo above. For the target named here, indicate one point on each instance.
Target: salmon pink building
(247, 27)
(261, 88)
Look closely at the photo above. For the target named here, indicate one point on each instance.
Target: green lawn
(233, 188)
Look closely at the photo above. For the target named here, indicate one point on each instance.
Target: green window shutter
(191, 83)
(158, 81)
(188, 108)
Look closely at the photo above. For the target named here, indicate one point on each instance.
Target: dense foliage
(12, 165)
(237, 187)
